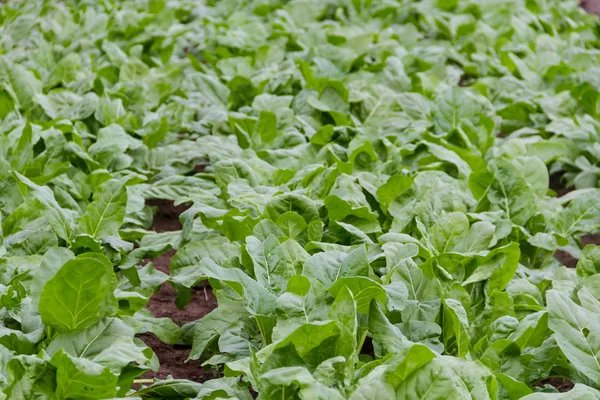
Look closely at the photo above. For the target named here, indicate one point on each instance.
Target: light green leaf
(270, 264)
(79, 294)
(576, 331)
(81, 378)
(59, 219)
(105, 213)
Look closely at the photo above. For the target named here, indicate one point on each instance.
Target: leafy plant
(367, 191)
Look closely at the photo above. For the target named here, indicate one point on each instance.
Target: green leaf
(328, 267)
(59, 219)
(511, 193)
(108, 343)
(213, 325)
(79, 294)
(23, 152)
(183, 388)
(271, 268)
(266, 127)
(106, 212)
(82, 379)
(292, 224)
(515, 389)
(394, 187)
(576, 331)
(302, 205)
(498, 266)
(344, 310)
(26, 85)
(454, 106)
(449, 377)
(60, 103)
(387, 337)
(111, 143)
(280, 382)
(581, 215)
(165, 329)
(66, 70)
(373, 386)
(153, 137)
(363, 289)
(449, 232)
(30, 377)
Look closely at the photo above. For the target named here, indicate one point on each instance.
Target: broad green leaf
(291, 224)
(511, 193)
(498, 266)
(164, 328)
(108, 343)
(183, 388)
(79, 294)
(455, 328)
(449, 377)
(105, 213)
(581, 215)
(59, 219)
(589, 262)
(373, 386)
(81, 378)
(211, 326)
(394, 186)
(283, 382)
(576, 331)
(271, 268)
(30, 377)
(454, 106)
(328, 267)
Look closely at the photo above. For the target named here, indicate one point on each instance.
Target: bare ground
(591, 6)
(162, 304)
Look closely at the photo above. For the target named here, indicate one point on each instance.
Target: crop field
(300, 199)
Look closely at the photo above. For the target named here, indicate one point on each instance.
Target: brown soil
(561, 384)
(567, 259)
(367, 347)
(592, 238)
(162, 304)
(172, 362)
(167, 215)
(557, 185)
(591, 6)
(200, 167)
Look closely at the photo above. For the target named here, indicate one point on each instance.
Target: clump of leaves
(373, 210)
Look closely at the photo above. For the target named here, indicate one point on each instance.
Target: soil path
(162, 304)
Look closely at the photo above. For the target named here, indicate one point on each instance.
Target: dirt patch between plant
(556, 184)
(560, 384)
(567, 259)
(167, 214)
(162, 304)
(172, 362)
(591, 6)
